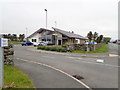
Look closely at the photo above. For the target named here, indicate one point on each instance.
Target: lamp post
(46, 24)
(55, 23)
(26, 33)
(46, 18)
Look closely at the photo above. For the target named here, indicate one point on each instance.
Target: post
(1, 65)
(87, 48)
(46, 18)
(55, 24)
(46, 24)
(26, 34)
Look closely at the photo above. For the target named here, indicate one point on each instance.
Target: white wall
(78, 41)
(36, 36)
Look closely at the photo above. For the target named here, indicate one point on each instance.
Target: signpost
(93, 43)
(3, 42)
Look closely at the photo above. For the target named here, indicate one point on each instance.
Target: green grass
(14, 42)
(14, 78)
(102, 49)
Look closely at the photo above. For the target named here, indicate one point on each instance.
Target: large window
(34, 40)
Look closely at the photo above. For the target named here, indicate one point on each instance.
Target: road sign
(91, 43)
(3, 42)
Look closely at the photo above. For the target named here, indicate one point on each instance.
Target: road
(114, 48)
(96, 75)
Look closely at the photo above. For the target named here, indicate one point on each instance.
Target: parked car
(26, 43)
(39, 44)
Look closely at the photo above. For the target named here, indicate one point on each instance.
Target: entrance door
(59, 42)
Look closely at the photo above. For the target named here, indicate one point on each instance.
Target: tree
(21, 37)
(99, 39)
(95, 36)
(90, 36)
(107, 39)
(14, 37)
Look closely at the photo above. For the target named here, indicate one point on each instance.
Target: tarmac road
(96, 75)
(44, 77)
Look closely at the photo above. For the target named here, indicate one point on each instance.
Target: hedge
(53, 48)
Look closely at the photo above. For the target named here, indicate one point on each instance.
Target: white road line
(74, 58)
(47, 57)
(98, 63)
(79, 58)
(93, 62)
(71, 57)
(57, 70)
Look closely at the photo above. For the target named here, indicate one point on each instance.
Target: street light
(46, 23)
(55, 23)
(26, 33)
(46, 18)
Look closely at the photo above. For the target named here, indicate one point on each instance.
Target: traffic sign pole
(1, 65)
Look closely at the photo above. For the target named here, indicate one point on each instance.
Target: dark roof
(69, 34)
(38, 31)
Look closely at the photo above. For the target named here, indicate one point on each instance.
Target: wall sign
(3, 42)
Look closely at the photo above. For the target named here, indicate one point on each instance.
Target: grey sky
(80, 16)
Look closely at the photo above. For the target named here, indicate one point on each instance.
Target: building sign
(3, 42)
(91, 43)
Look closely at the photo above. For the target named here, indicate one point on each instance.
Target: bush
(52, 48)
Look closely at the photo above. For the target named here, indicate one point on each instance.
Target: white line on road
(57, 70)
(74, 58)
(79, 58)
(93, 62)
(47, 57)
(98, 63)
(71, 57)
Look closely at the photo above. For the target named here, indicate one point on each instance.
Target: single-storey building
(56, 36)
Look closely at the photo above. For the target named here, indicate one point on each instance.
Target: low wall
(84, 46)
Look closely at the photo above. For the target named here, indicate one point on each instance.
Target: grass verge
(102, 49)
(14, 42)
(14, 78)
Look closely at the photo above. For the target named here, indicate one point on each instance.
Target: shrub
(53, 48)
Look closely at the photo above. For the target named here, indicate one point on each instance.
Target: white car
(39, 44)
(36, 44)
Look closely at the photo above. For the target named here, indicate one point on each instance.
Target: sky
(80, 16)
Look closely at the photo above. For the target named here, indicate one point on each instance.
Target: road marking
(57, 70)
(113, 55)
(79, 58)
(100, 61)
(74, 58)
(71, 57)
(47, 57)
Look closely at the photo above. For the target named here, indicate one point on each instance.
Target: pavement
(96, 74)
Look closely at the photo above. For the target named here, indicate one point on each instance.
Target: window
(33, 40)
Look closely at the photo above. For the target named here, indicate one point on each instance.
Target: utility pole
(26, 33)
(1, 64)
(55, 23)
(46, 24)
